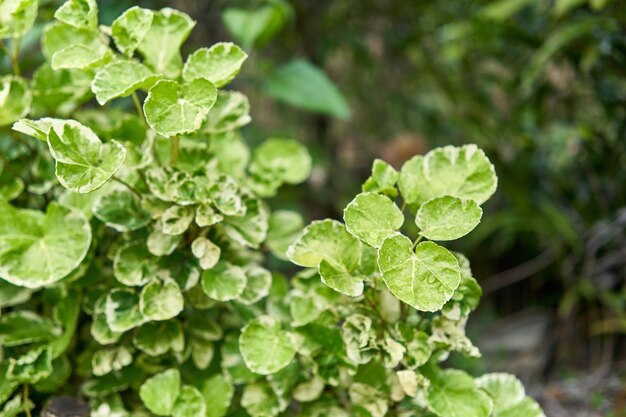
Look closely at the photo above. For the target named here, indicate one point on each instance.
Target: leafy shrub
(132, 247)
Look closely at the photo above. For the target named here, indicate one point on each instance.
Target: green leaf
(17, 17)
(121, 79)
(81, 56)
(509, 396)
(133, 265)
(259, 400)
(160, 392)
(158, 338)
(249, 229)
(172, 108)
(304, 85)
(122, 310)
(58, 36)
(257, 27)
(231, 111)
(207, 252)
(283, 159)
(425, 278)
(219, 64)
(60, 91)
(383, 179)
(224, 282)
(121, 210)
(265, 348)
(83, 162)
(369, 399)
(160, 47)
(189, 403)
(259, 281)
(81, 14)
(22, 327)
(463, 172)
(448, 218)
(284, 228)
(15, 99)
(31, 367)
(453, 393)
(372, 218)
(176, 220)
(161, 300)
(160, 244)
(326, 244)
(38, 249)
(105, 361)
(218, 393)
(11, 295)
(65, 314)
(130, 28)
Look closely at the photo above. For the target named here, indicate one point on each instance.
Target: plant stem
(15, 57)
(127, 185)
(139, 109)
(403, 206)
(26, 406)
(174, 147)
(418, 240)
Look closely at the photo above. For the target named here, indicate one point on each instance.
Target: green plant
(132, 246)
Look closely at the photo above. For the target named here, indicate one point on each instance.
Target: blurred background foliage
(539, 84)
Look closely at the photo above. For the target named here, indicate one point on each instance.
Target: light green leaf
(81, 14)
(38, 249)
(189, 403)
(160, 244)
(304, 85)
(22, 327)
(249, 229)
(158, 338)
(15, 99)
(284, 228)
(509, 396)
(283, 159)
(172, 108)
(207, 252)
(83, 162)
(383, 179)
(39, 128)
(448, 218)
(60, 91)
(259, 281)
(369, 399)
(265, 348)
(160, 47)
(160, 392)
(372, 218)
(121, 79)
(304, 309)
(15, 407)
(231, 111)
(10, 187)
(101, 332)
(11, 295)
(219, 64)
(425, 278)
(122, 310)
(17, 17)
(58, 36)
(6, 386)
(31, 367)
(130, 28)
(359, 338)
(133, 265)
(105, 361)
(121, 210)
(259, 400)
(257, 27)
(206, 215)
(453, 393)
(463, 172)
(218, 393)
(326, 244)
(161, 300)
(81, 56)
(224, 282)
(176, 220)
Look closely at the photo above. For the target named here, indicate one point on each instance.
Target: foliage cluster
(134, 246)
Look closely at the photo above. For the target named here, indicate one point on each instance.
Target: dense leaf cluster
(132, 260)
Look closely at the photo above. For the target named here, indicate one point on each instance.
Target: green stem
(403, 206)
(127, 185)
(174, 148)
(16, 55)
(418, 240)
(139, 109)
(26, 401)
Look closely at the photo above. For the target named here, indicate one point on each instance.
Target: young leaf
(172, 109)
(509, 396)
(161, 300)
(81, 14)
(160, 392)
(249, 229)
(372, 218)
(231, 111)
(15, 99)
(207, 252)
(133, 265)
(121, 79)
(160, 47)
(31, 367)
(463, 172)
(189, 403)
(383, 179)
(224, 282)
(259, 281)
(424, 279)
(130, 28)
(158, 338)
(176, 219)
(120, 210)
(317, 93)
(283, 159)
(83, 162)
(122, 310)
(326, 244)
(265, 348)
(219, 64)
(448, 217)
(453, 393)
(38, 249)
(17, 17)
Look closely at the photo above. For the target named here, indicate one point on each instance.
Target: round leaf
(224, 282)
(38, 249)
(190, 403)
(121, 210)
(265, 348)
(129, 29)
(283, 159)
(161, 301)
(453, 393)
(372, 218)
(172, 108)
(160, 392)
(448, 218)
(509, 396)
(15, 99)
(219, 64)
(122, 310)
(425, 279)
(121, 79)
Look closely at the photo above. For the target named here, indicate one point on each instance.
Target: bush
(132, 246)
